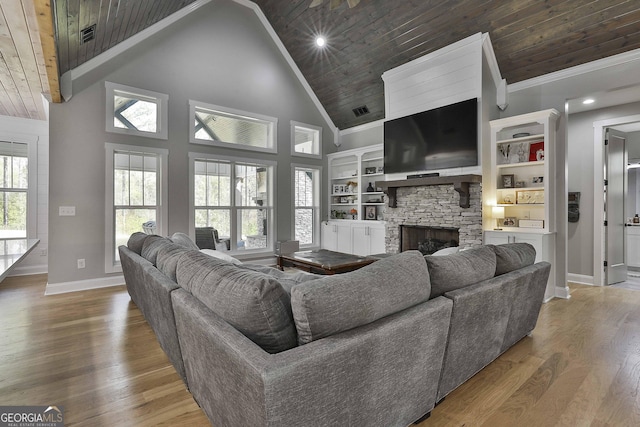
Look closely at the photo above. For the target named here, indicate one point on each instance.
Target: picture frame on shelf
(370, 212)
(508, 181)
(338, 188)
(509, 221)
(370, 170)
(536, 151)
(380, 169)
(537, 180)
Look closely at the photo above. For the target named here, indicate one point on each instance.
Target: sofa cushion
(152, 245)
(167, 259)
(184, 240)
(252, 302)
(287, 279)
(333, 304)
(462, 269)
(136, 241)
(513, 256)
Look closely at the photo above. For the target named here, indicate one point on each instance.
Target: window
(136, 189)
(136, 111)
(306, 140)
(214, 125)
(14, 189)
(306, 201)
(234, 196)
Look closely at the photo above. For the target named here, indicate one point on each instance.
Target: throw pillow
(340, 302)
(184, 240)
(168, 257)
(513, 256)
(136, 241)
(253, 303)
(459, 270)
(152, 245)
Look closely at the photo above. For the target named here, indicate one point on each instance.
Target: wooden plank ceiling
(530, 38)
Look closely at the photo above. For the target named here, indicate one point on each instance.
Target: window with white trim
(306, 140)
(14, 189)
(226, 127)
(306, 201)
(134, 111)
(136, 189)
(234, 196)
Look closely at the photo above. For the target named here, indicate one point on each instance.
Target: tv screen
(442, 138)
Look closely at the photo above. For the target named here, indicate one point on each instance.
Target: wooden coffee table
(323, 261)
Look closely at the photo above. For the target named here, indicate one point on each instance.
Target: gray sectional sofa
(376, 346)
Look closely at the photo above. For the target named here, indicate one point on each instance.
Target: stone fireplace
(435, 206)
(427, 239)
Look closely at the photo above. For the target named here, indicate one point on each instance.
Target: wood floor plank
(94, 354)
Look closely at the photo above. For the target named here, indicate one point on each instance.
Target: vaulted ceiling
(530, 38)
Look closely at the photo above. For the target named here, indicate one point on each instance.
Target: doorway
(610, 214)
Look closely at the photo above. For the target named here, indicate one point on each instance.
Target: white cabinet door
(377, 240)
(360, 239)
(368, 239)
(495, 238)
(633, 246)
(329, 237)
(336, 236)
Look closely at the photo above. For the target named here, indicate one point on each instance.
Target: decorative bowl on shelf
(521, 134)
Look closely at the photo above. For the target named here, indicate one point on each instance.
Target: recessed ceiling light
(588, 101)
(320, 41)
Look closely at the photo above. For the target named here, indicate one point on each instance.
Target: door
(615, 174)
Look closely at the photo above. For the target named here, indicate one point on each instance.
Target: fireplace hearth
(427, 239)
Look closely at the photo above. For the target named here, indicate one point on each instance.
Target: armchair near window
(207, 238)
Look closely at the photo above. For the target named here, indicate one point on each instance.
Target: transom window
(306, 200)
(306, 140)
(135, 192)
(14, 187)
(215, 125)
(136, 111)
(234, 198)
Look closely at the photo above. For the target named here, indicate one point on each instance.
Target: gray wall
(581, 175)
(222, 55)
(362, 136)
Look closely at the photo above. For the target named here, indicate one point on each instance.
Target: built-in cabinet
(355, 205)
(519, 194)
(633, 245)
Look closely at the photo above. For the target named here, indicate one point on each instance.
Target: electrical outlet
(66, 210)
(81, 263)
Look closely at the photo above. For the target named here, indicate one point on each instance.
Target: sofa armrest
(383, 373)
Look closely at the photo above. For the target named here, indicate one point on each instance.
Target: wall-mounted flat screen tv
(442, 138)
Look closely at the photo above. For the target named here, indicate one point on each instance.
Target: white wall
(36, 261)
(221, 54)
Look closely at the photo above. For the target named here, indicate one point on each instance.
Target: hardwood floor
(90, 352)
(93, 353)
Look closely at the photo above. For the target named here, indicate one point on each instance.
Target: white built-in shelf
(519, 165)
(521, 139)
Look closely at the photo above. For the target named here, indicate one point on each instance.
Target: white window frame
(317, 170)
(110, 264)
(271, 192)
(271, 121)
(32, 179)
(318, 129)
(160, 99)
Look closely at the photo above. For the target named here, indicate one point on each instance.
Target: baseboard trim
(580, 278)
(83, 285)
(30, 270)
(564, 293)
